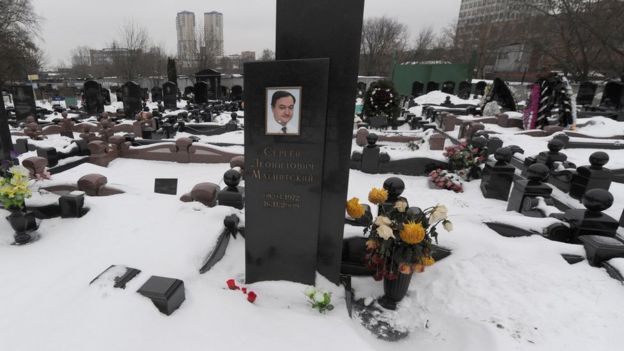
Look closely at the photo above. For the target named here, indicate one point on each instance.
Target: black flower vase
(22, 222)
(474, 173)
(395, 290)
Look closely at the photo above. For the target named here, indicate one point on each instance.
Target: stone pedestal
(395, 187)
(600, 248)
(592, 221)
(497, 177)
(167, 294)
(591, 177)
(436, 141)
(72, 205)
(370, 155)
(50, 154)
(525, 190)
(232, 195)
(552, 155)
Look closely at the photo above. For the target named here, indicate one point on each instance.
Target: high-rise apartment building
(476, 12)
(187, 46)
(213, 32)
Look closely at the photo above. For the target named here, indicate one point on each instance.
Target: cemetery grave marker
(93, 99)
(170, 95)
(299, 36)
(167, 186)
(6, 145)
(131, 94)
(23, 101)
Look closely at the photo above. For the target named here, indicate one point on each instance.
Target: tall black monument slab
(6, 145)
(299, 36)
(201, 92)
(284, 172)
(170, 95)
(23, 101)
(132, 100)
(93, 98)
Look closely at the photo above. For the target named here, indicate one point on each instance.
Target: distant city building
(213, 32)
(247, 56)
(187, 46)
(479, 27)
(476, 12)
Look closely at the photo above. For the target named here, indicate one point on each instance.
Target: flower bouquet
(444, 179)
(464, 159)
(14, 188)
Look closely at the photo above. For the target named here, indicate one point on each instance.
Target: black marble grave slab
(94, 100)
(23, 101)
(299, 36)
(283, 173)
(600, 248)
(132, 101)
(170, 95)
(167, 186)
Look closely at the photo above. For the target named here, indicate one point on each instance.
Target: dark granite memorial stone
(167, 186)
(586, 93)
(23, 101)
(132, 101)
(494, 144)
(201, 92)
(498, 176)
(590, 177)
(527, 189)
(167, 294)
(417, 90)
(93, 99)
(21, 145)
(613, 96)
(431, 86)
(448, 87)
(370, 155)
(170, 96)
(232, 195)
(283, 173)
(600, 248)
(464, 90)
(106, 96)
(157, 94)
(300, 37)
(592, 221)
(480, 88)
(6, 144)
(378, 122)
(213, 80)
(72, 205)
(50, 154)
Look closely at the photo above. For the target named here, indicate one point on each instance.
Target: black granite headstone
(93, 99)
(106, 96)
(586, 93)
(23, 101)
(132, 101)
(167, 186)
(170, 95)
(157, 94)
(464, 90)
(283, 173)
(6, 145)
(201, 92)
(299, 36)
(370, 155)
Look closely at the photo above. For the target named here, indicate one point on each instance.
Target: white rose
(400, 205)
(310, 291)
(448, 226)
(385, 232)
(383, 220)
(440, 212)
(319, 297)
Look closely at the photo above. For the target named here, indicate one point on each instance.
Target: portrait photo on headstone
(283, 108)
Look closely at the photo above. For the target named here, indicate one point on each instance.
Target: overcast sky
(247, 24)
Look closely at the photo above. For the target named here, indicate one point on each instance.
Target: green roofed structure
(420, 78)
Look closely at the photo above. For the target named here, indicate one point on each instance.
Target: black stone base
(377, 321)
(167, 294)
(572, 259)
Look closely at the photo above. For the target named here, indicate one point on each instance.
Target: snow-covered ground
(492, 293)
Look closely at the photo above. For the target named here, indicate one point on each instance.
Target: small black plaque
(167, 186)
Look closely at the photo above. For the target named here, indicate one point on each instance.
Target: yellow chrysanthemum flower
(377, 195)
(354, 209)
(428, 261)
(412, 233)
